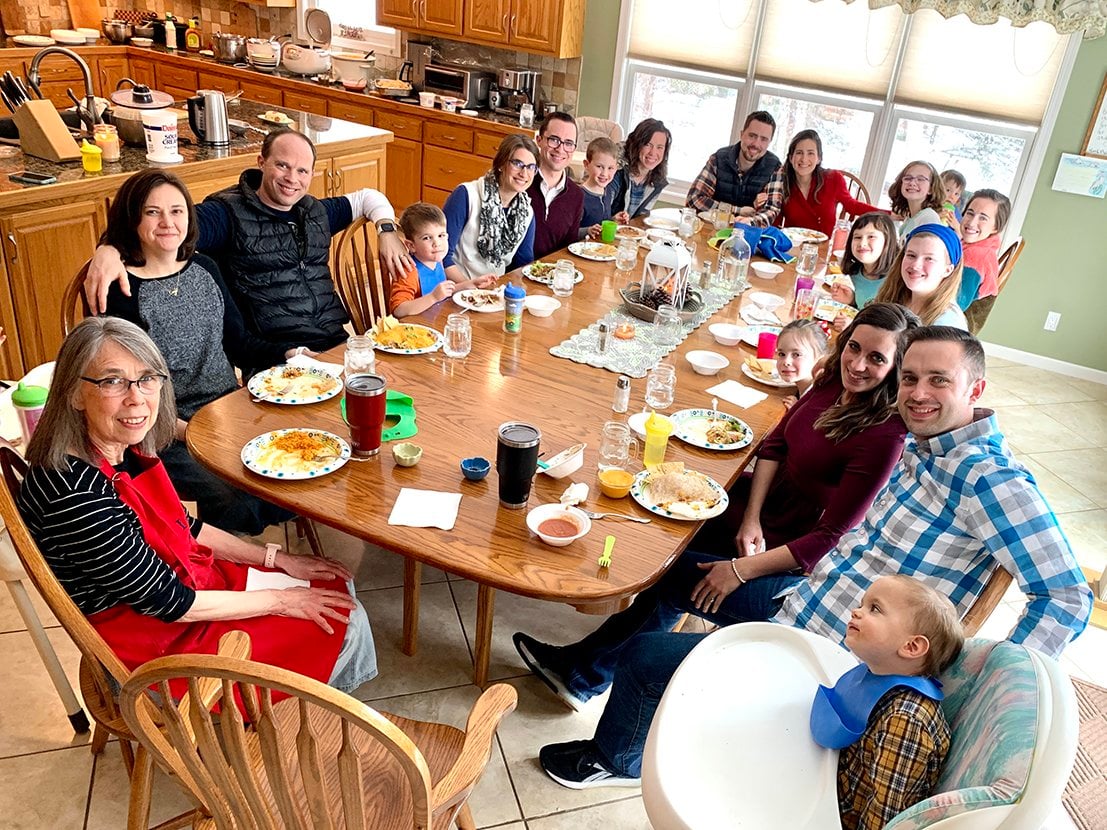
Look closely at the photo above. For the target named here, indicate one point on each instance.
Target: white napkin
(264, 580)
(425, 508)
(757, 316)
(737, 394)
(305, 362)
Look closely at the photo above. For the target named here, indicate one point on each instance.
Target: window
(844, 130)
(353, 25)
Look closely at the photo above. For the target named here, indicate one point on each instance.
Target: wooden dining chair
(1007, 261)
(315, 759)
(856, 187)
(101, 672)
(358, 279)
(74, 305)
(986, 603)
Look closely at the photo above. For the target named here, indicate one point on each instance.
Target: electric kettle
(207, 116)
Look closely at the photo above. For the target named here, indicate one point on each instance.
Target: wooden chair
(74, 304)
(360, 284)
(986, 603)
(317, 759)
(100, 668)
(856, 187)
(1007, 261)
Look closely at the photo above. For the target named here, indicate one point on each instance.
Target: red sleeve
(404, 289)
(874, 452)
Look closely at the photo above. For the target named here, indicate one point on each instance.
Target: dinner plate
(465, 299)
(690, 426)
(640, 492)
(662, 223)
(266, 384)
(34, 40)
(433, 347)
(252, 452)
(547, 278)
(801, 235)
(773, 381)
(629, 232)
(749, 337)
(289, 123)
(595, 251)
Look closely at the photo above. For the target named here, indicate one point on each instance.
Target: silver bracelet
(734, 567)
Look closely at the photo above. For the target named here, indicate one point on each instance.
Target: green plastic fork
(605, 557)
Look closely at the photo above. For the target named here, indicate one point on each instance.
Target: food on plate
(392, 83)
(542, 269)
(274, 115)
(296, 382)
(625, 331)
(724, 432)
(762, 367)
(481, 297)
(395, 335)
(297, 451)
(673, 488)
(662, 222)
(601, 249)
(629, 232)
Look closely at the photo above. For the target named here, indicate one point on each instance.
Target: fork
(269, 396)
(605, 557)
(593, 515)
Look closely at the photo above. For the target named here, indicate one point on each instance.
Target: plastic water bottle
(514, 297)
(734, 261)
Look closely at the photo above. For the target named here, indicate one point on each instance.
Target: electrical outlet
(1053, 319)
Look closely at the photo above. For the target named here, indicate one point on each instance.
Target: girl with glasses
(917, 196)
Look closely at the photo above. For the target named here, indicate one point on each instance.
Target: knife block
(43, 134)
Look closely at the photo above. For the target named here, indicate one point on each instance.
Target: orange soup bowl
(615, 484)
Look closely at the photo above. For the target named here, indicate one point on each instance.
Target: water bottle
(514, 297)
(734, 261)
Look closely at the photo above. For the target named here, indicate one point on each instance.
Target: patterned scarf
(500, 229)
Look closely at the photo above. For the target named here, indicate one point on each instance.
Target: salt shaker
(622, 394)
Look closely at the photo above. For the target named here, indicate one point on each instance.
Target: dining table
(460, 404)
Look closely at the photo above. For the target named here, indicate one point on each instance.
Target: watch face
(386, 227)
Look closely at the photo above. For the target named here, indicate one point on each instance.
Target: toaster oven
(462, 82)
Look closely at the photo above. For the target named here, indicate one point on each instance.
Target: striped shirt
(94, 544)
(956, 506)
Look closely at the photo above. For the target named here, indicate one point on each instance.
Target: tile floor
(1057, 425)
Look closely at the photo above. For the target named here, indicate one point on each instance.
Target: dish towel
(425, 508)
(734, 392)
(774, 245)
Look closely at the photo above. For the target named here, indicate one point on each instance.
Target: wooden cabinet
(403, 180)
(305, 102)
(438, 17)
(223, 83)
(143, 72)
(43, 250)
(488, 20)
(356, 111)
(551, 27)
(109, 71)
(263, 93)
(446, 169)
(451, 136)
(177, 81)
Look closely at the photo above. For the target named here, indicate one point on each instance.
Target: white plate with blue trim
(265, 456)
(430, 347)
(294, 385)
(691, 425)
(640, 492)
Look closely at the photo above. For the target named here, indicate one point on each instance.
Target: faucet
(88, 114)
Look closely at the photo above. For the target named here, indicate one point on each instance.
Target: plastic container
(160, 127)
(28, 402)
(658, 430)
(92, 158)
(515, 297)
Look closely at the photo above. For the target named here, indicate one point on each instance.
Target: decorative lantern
(667, 267)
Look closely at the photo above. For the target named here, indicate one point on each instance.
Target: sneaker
(577, 765)
(538, 657)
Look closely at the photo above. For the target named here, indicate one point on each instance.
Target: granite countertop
(320, 129)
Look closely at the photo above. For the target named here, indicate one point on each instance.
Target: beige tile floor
(49, 779)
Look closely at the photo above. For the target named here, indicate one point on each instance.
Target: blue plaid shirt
(956, 506)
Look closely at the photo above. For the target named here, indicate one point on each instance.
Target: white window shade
(993, 70)
(830, 44)
(712, 34)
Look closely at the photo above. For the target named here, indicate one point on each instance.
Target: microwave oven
(462, 82)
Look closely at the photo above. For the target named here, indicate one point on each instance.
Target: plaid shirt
(895, 764)
(701, 195)
(956, 506)
(774, 191)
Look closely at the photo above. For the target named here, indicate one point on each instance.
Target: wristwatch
(386, 226)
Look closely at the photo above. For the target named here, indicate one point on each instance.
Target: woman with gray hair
(151, 579)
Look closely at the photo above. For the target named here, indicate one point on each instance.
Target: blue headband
(946, 234)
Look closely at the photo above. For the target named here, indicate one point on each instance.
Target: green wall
(1064, 265)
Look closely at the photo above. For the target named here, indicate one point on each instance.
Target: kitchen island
(49, 231)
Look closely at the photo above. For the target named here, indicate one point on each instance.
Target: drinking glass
(458, 336)
(722, 216)
(687, 220)
(360, 357)
(661, 386)
(617, 446)
(626, 256)
(808, 259)
(563, 276)
(667, 326)
(805, 303)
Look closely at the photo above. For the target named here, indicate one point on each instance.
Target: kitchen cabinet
(177, 81)
(356, 111)
(488, 20)
(436, 17)
(262, 93)
(550, 27)
(404, 162)
(109, 72)
(305, 102)
(223, 83)
(143, 72)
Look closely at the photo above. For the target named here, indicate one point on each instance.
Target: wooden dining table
(460, 403)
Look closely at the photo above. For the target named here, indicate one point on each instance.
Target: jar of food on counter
(106, 137)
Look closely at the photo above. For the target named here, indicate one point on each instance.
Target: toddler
(800, 347)
(985, 217)
(954, 183)
(873, 244)
(884, 715)
(424, 227)
(600, 163)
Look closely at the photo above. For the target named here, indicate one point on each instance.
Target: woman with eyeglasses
(151, 579)
(180, 299)
(490, 221)
(917, 196)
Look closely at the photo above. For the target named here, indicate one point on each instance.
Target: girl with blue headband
(926, 276)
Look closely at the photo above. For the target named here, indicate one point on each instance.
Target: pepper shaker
(602, 329)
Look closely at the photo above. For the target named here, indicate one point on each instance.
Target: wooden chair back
(856, 187)
(74, 305)
(1007, 261)
(986, 603)
(357, 276)
(319, 759)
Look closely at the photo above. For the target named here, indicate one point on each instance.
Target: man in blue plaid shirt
(956, 507)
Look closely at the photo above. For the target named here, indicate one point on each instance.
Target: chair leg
(99, 739)
(128, 753)
(486, 606)
(142, 781)
(413, 573)
(306, 528)
(681, 623)
(464, 818)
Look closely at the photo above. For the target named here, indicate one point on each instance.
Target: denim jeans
(357, 660)
(589, 665)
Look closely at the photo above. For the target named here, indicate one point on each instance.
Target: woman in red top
(811, 194)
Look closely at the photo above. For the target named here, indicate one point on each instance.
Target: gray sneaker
(539, 657)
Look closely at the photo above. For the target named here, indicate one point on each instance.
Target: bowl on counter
(90, 35)
(565, 462)
(144, 42)
(766, 270)
(540, 305)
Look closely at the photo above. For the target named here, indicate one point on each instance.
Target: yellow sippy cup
(658, 430)
(91, 157)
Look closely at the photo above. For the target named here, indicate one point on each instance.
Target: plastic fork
(605, 557)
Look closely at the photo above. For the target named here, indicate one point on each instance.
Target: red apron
(298, 645)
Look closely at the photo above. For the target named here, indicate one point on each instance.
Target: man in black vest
(736, 174)
(272, 241)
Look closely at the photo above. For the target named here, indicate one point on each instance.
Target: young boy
(885, 715)
(424, 227)
(600, 163)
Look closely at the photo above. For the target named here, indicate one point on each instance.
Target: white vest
(466, 255)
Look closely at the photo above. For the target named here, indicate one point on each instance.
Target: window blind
(716, 35)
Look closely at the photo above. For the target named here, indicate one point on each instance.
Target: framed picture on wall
(1095, 141)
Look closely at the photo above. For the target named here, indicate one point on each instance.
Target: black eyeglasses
(519, 164)
(118, 387)
(556, 142)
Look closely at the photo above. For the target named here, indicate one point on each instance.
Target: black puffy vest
(278, 267)
(735, 188)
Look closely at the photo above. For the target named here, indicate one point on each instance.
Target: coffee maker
(513, 88)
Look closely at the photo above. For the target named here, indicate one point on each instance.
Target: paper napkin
(425, 508)
(305, 362)
(264, 580)
(734, 392)
(759, 317)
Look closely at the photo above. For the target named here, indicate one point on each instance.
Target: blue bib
(839, 715)
(429, 276)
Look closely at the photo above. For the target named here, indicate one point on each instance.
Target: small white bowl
(540, 305)
(144, 42)
(565, 462)
(765, 300)
(766, 270)
(637, 422)
(471, 113)
(556, 511)
(726, 334)
(707, 363)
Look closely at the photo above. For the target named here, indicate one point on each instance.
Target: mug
(617, 446)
